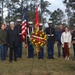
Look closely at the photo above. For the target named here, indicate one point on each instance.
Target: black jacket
(50, 31)
(19, 28)
(13, 37)
(73, 36)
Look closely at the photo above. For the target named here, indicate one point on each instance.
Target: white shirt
(29, 33)
(66, 37)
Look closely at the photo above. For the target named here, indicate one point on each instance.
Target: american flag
(24, 28)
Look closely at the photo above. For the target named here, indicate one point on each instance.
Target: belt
(65, 42)
(51, 35)
(28, 36)
(73, 38)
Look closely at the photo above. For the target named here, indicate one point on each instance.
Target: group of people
(11, 37)
(64, 38)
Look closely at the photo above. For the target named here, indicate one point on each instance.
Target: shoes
(48, 58)
(59, 56)
(66, 58)
(40, 58)
(73, 59)
(30, 57)
(52, 58)
(15, 60)
(19, 57)
(10, 60)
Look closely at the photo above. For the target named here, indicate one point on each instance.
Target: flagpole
(26, 25)
(36, 17)
(36, 23)
(41, 10)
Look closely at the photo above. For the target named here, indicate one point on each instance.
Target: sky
(55, 4)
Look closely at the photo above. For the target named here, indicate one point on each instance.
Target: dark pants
(66, 49)
(13, 53)
(63, 52)
(19, 51)
(50, 49)
(30, 50)
(59, 49)
(41, 53)
(59, 46)
(74, 50)
(2, 52)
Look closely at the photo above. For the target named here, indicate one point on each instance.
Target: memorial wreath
(38, 38)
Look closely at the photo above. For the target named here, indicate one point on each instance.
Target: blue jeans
(59, 49)
(50, 49)
(19, 53)
(74, 50)
(6, 49)
(41, 53)
(2, 52)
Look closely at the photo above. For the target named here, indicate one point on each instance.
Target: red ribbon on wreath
(38, 38)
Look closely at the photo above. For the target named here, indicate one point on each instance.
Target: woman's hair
(1, 25)
(66, 27)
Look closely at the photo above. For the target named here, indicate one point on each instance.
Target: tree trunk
(2, 11)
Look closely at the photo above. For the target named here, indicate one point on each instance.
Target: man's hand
(73, 42)
(56, 41)
(20, 33)
(26, 46)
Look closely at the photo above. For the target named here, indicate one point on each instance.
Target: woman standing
(73, 41)
(13, 42)
(3, 42)
(66, 42)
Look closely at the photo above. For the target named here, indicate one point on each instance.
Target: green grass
(45, 66)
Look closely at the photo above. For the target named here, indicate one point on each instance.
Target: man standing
(50, 31)
(19, 53)
(58, 37)
(73, 41)
(41, 52)
(13, 42)
(30, 46)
